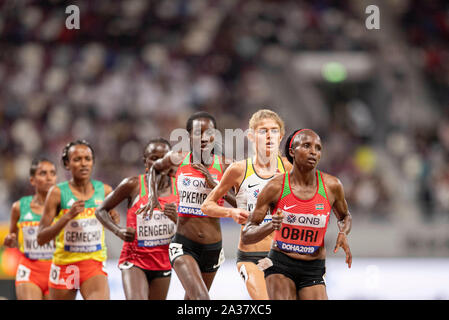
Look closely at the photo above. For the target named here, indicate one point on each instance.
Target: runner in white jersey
(248, 177)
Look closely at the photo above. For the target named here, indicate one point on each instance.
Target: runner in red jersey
(144, 262)
(302, 200)
(196, 251)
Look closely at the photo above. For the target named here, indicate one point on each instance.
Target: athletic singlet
(83, 237)
(251, 186)
(28, 225)
(305, 221)
(192, 187)
(154, 232)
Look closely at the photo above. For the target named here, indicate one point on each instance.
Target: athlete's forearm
(345, 224)
(106, 220)
(253, 233)
(212, 209)
(48, 233)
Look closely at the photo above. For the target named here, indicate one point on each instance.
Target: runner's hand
(127, 234)
(209, 180)
(277, 219)
(239, 215)
(342, 242)
(171, 211)
(11, 241)
(77, 207)
(147, 210)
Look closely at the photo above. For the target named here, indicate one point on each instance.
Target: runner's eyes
(265, 131)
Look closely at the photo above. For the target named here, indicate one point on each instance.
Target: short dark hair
(65, 151)
(36, 162)
(157, 140)
(198, 115)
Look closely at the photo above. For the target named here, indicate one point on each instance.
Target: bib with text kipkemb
(192, 187)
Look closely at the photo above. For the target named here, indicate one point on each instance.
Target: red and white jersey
(305, 221)
(149, 250)
(192, 187)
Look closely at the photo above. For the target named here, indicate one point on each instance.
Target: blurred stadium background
(137, 69)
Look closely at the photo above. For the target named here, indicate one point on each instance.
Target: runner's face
(267, 137)
(203, 134)
(80, 161)
(154, 152)
(44, 177)
(306, 149)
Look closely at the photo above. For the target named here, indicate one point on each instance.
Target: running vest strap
(251, 186)
(83, 237)
(28, 225)
(192, 187)
(305, 221)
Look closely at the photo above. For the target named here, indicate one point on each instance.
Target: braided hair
(65, 151)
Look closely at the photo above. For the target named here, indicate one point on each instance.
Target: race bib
(83, 235)
(23, 273)
(192, 193)
(32, 249)
(157, 231)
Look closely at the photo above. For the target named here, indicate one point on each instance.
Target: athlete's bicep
(226, 183)
(116, 196)
(340, 205)
(170, 159)
(15, 216)
(52, 203)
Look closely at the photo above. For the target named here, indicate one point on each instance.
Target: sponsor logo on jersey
(319, 206)
(186, 182)
(28, 216)
(306, 220)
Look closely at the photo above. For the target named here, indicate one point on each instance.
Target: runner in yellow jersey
(248, 177)
(69, 218)
(34, 264)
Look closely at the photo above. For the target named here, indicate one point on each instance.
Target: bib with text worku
(28, 224)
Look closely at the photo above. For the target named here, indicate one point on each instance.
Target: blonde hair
(266, 114)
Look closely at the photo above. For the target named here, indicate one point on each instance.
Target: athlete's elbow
(99, 214)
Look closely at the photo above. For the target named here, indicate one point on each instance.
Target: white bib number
(83, 235)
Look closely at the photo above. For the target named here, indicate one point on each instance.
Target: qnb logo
(186, 182)
(307, 220)
(291, 218)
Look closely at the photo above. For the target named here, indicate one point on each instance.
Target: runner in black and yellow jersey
(69, 218)
(248, 177)
(34, 264)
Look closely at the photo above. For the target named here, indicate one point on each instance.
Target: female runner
(144, 261)
(196, 251)
(248, 177)
(302, 200)
(34, 264)
(69, 218)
